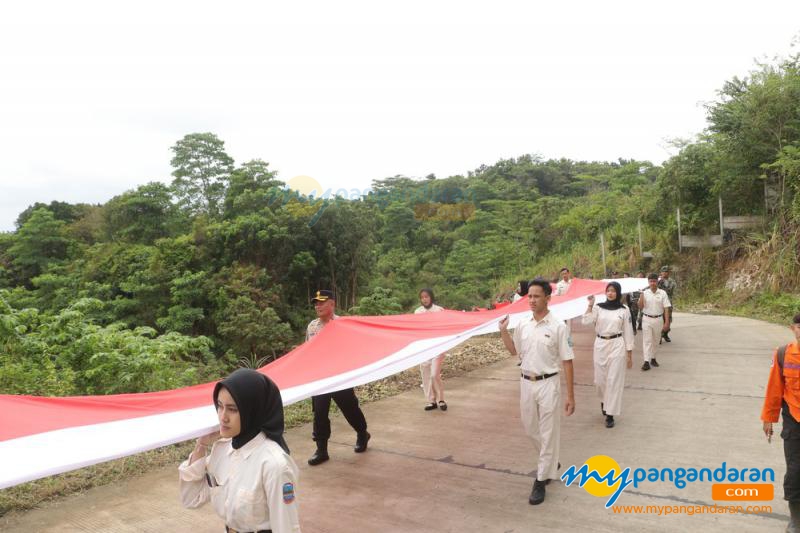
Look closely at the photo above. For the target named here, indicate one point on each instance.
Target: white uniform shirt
(654, 303)
(433, 309)
(562, 287)
(611, 322)
(542, 345)
(252, 488)
(315, 326)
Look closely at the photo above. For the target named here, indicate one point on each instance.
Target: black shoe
(646, 366)
(654, 363)
(361, 442)
(537, 493)
(666, 337)
(443, 405)
(639, 327)
(321, 455)
(609, 421)
(430, 406)
(602, 409)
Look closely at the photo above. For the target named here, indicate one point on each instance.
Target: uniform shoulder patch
(288, 492)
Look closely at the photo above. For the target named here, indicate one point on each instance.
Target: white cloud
(92, 95)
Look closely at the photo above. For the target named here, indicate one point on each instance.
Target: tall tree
(140, 216)
(40, 241)
(202, 170)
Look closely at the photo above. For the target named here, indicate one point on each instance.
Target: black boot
(609, 421)
(537, 493)
(321, 455)
(361, 442)
(794, 520)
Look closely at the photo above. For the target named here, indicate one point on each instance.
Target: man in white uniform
(656, 317)
(541, 341)
(563, 284)
(431, 370)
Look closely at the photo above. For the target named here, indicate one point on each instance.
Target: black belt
(231, 530)
(653, 316)
(606, 337)
(539, 378)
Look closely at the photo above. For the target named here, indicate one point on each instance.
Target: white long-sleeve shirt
(251, 489)
(611, 322)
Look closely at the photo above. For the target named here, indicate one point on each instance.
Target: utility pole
(603, 251)
(641, 249)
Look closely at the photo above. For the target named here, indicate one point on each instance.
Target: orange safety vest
(783, 385)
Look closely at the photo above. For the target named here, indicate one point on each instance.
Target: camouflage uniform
(668, 285)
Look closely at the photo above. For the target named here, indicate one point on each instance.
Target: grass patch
(766, 306)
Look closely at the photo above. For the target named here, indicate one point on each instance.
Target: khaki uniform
(251, 489)
(610, 354)
(542, 346)
(431, 370)
(653, 306)
(562, 287)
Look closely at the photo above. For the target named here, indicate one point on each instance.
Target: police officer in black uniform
(325, 306)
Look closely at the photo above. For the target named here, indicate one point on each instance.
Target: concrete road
(470, 468)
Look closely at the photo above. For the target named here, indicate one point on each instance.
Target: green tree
(141, 215)
(202, 170)
(40, 242)
(254, 332)
(379, 302)
(251, 188)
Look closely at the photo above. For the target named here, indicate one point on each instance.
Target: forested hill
(167, 285)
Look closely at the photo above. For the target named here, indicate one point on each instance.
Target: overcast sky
(93, 94)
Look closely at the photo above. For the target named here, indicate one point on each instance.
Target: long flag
(43, 436)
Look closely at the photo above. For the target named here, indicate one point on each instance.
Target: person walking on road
(249, 476)
(325, 306)
(669, 285)
(431, 370)
(541, 341)
(783, 396)
(613, 349)
(656, 307)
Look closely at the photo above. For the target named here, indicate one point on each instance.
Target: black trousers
(634, 307)
(791, 451)
(348, 405)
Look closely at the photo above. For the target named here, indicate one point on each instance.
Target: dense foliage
(166, 285)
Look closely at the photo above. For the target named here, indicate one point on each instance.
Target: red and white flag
(42, 436)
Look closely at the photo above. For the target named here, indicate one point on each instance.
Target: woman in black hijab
(614, 339)
(248, 474)
(522, 290)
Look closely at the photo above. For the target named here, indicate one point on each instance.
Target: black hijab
(612, 305)
(523, 287)
(260, 406)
